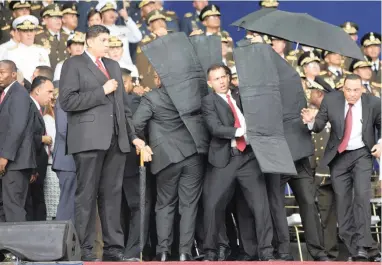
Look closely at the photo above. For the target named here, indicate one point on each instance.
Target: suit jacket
(332, 110)
(61, 162)
(170, 140)
(39, 132)
(16, 129)
(220, 121)
(89, 110)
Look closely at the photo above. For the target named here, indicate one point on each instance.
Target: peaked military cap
(355, 64)
(308, 57)
(25, 23)
(155, 15)
(13, 5)
(371, 38)
(77, 37)
(269, 3)
(69, 8)
(106, 5)
(350, 27)
(115, 42)
(210, 10)
(52, 10)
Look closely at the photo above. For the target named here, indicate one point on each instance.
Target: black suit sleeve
(377, 118)
(143, 114)
(62, 121)
(212, 120)
(71, 97)
(18, 117)
(321, 117)
(129, 117)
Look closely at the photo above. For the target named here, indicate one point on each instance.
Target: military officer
(363, 69)
(172, 19)
(371, 44)
(26, 55)
(350, 28)
(158, 27)
(52, 37)
(269, 4)
(191, 21)
(334, 67)
(18, 8)
(116, 51)
(324, 191)
(69, 18)
(15, 39)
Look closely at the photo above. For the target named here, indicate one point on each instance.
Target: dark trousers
(131, 190)
(35, 205)
(277, 211)
(326, 204)
(99, 180)
(351, 179)
(178, 183)
(68, 185)
(13, 195)
(217, 192)
(304, 191)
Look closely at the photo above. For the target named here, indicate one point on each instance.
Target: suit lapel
(100, 77)
(7, 96)
(341, 113)
(225, 106)
(236, 96)
(365, 112)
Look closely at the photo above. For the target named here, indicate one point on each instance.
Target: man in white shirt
(354, 117)
(127, 34)
(27, 55)
(15, 39)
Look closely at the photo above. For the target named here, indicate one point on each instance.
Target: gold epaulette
(330, 82)
(379, 85)
(36, 7)
(347, 72)
(291, 57)
(146, 39)
(170, 12)
(189, 14)
(39, 32)
(168, 19)
(6, 27)
(139, 25)
(293, 52)
(323, 72)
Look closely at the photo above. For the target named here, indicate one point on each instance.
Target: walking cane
(142, 206)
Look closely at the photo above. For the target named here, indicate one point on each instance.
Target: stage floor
(194, 262)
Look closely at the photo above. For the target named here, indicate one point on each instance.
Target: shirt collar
(334, 69)
(7, 88)
(91, 56)
(53, 34)
(35, 102)
(225, 95)
(357, 104)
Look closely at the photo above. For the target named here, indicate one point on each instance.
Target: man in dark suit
(177, 166)
(99, 135)
(64, 167)
(354, 119)
(231, 159)
(41, 94)
(17, 154)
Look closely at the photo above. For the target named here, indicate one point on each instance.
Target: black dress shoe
(185, 257)
(285, 256)
(224, 253)
(210, 256)
(376, 258)
(361, 255)
(323, 258)
(89, 257)
(246, 257)
(269, 257)
(164, 256)
(114, 255)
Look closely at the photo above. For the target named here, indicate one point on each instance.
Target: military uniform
(56, 45)
(27, 58)
(369, 39)
(172, 20)
(6, 29)
(370, 87)
(191, 22)
(5, 23)
(332, 72)
(269, 4)
(69, 8)
(350, 28)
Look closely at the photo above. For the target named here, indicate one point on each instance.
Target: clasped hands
(142, 147)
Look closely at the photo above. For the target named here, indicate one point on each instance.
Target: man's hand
(33, 178)
(139, 144)
(123, 14)
(139, 90)
(376, 150)
(147, 153)
(160, 32)
(47, 140)
(308, 115)
(3, 164)
(110, 86)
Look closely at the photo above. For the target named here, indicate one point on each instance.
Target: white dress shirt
(355, 141)
(94, 59)
(50, 128)
(127, 34)
(7, 88)
(5, 46)
(240, 115)
(36, 103)
(375, 65)
(335, 70)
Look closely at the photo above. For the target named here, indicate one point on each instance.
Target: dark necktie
(102, 68)
(347, 132)
(338, 73)
(240, 141)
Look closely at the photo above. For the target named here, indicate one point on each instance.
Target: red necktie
(2, 96)
(102, 68)
(347, 132)
(240, 142)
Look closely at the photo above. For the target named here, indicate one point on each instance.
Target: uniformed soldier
(191, 21)
(69, 18)
(18, 8)
(26, 55)
(294, 55)
(158, 27)
(350, 28)
(5, 20)
(128, 33)
(334, 66)
(116, 52)
(371, 43)
(75, 46)
(324, 191)
(363, 69)
(172, 19)
(269, 4)
(15, 39)
(52, 37)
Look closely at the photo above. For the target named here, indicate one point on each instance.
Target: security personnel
(26, 55)
(363, 69)
(18, 8)
(157, 24)
(69, 18)
(371, 44)
(191, 21)
(53, 37)
(350, 28)
(324, 190)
